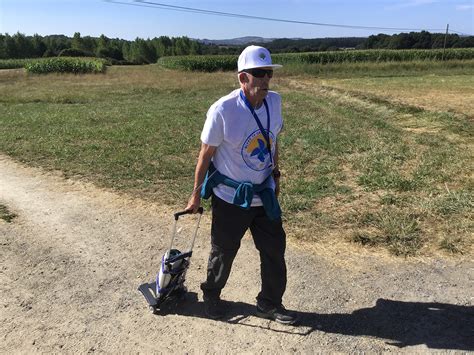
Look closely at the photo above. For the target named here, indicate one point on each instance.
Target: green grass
(370, 171)
(132, 137)
(379, 70)
(395, 229)
(6, 214)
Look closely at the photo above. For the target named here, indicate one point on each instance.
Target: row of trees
(412, 40)
(285, 45)
(417, 40)
(142, 51)
(138, 51)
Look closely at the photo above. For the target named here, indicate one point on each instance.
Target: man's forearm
(204, 160)
(200, 173)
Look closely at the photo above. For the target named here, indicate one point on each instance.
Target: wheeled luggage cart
(169, 283)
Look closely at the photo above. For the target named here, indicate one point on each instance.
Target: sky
(130, 19)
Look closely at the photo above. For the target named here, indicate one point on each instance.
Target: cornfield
(14, 63)
(211, 63)
(66, 65)
(206, 63)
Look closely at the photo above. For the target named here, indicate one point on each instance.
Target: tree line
(412, 40)
(139, 51)
(417, 40)
(143, 51)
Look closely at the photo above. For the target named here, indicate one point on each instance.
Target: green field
(367, 157)
(210, 63)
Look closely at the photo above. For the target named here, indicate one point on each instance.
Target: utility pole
(445, 39)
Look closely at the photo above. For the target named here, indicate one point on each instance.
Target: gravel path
(73, 258)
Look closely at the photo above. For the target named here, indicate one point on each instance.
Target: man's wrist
(276, 173)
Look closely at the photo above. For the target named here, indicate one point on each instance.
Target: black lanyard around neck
(265, 134)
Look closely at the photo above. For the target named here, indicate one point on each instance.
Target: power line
(144, 5)
(152, 4)
(460, 33)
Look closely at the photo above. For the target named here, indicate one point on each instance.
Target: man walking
(238, 166)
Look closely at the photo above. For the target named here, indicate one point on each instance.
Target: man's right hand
(194, 202)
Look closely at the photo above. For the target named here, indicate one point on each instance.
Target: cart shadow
(436, 325)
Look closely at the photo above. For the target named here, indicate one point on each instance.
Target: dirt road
(74, 256)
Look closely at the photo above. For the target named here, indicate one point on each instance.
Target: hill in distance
(236, 41)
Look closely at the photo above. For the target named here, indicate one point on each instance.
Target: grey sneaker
(278, 314)
(213, 308)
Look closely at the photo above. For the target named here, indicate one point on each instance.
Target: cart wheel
(153, 309)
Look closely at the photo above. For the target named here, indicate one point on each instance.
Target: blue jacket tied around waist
(244, 191)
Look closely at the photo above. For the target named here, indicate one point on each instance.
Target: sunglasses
(259, 73)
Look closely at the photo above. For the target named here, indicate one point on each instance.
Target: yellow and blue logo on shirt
(255, 152)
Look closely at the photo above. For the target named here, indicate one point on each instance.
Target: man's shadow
(437, 325)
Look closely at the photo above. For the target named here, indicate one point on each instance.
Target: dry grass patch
(434, 93)
(391, 174)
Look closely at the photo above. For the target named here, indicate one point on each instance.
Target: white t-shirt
(241, 152)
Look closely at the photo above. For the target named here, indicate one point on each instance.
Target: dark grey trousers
(229, 224)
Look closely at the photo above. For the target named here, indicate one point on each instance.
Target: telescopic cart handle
(176, 217)
(182, 213)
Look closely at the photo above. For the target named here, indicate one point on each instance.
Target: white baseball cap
(255, 57)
